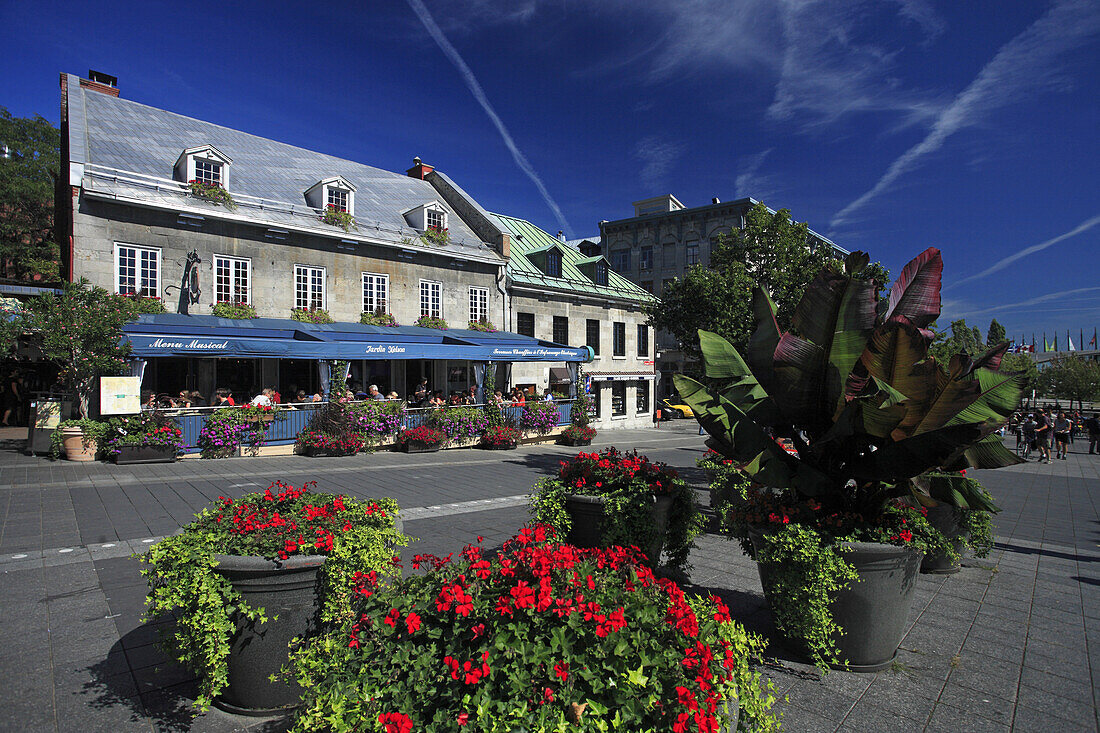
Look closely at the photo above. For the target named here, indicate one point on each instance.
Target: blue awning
(172, 334)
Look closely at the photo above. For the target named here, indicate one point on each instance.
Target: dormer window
(332, 194)
(436, 219)
(429, 216)
(338, 199)
(205, 165)
(553, 263)
(595, 269)
(601, 273)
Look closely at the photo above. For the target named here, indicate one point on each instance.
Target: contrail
(1024, 61)
(1082, 227)
(479, 94)
(1031, 301)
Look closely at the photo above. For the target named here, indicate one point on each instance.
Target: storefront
(623, 396)
(172, 352)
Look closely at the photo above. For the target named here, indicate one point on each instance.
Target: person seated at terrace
(301, 396)
(148, 400)
(437, 400)
(392, 396)
(196, 399)
(263, 399)
(518, 398)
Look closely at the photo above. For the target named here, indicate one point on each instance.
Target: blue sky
(888, 125)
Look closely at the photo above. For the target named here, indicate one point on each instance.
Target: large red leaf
(916, 292)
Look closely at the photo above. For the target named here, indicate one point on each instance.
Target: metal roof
(527, 239)
(127, 151)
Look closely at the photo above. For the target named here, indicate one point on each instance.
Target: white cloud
(749, 180)
(1005, 262)
(1023, 65)
(657, 157)
(479, 94)
(1060, 295)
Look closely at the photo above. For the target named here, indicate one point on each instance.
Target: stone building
(561, 294)
(158, 204)
(662, 240)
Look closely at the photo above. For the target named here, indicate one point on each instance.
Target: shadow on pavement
(1046, 553)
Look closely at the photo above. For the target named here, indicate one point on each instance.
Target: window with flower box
(436, 219)
(376, 290)
(208, 172)
(431, 298)
(337, 198)
(309, 287)
(137, 270)
(232, 279)
(479, 305)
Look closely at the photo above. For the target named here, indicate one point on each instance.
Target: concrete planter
(502, 446)
(411, 447)
(135, 454)
(575, 443)
(315, 452)
(872, 611)
(944, 518)
(587, 516)
(287, 590)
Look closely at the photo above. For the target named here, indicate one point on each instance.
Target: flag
(1070, 341)
(1093, 342)
(1055, 342)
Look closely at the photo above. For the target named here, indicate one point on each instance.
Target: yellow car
(673, 409)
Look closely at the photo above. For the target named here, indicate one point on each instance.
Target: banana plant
(852, 386)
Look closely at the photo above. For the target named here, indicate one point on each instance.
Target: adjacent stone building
(662, 240)
(563, 295)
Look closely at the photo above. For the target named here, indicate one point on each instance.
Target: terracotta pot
(75, 449)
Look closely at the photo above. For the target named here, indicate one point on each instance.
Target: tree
(1024, 364)
(996, 334)
(770, 251)
(1071, 378)
(27, 175)
(80, 331)
(963, 340)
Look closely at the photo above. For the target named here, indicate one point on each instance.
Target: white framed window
(376, 292)
(232, 279)
(431, 298)
(479, 304)
(309, 287)
(137, 270)
(208, 172)
(337, 198)
(436, 219)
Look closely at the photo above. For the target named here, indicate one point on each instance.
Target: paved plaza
(1009, 643)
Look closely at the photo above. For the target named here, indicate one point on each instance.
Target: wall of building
(99, 225)
(579, 311)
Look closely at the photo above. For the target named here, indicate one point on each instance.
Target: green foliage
(1023, 365)
(729, 490)
(995, 335)
(770, 252)
(1071, 378)
(149, 427)
(802, 575)
(338, 218)
(580, 413)
(436, 235)
(977, 530)
(80, 331)
(93, 430)
(628, 483)
(27, 245)
(964, 340)
(311, 315)
(212, 192)
(483, 326)
(426, 321)
(339, 383)
(541, 637)
(229, 428)
(236, 311)
(378, 319)
(146, 304)
(183, 583)
(494, 415)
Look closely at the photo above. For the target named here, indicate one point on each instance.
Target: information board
(119, 395)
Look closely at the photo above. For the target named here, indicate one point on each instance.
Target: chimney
(97, 81)
(561, 236)
(419, 170)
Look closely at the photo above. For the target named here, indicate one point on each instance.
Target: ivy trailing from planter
(93, 432)
(436, 235)
(378, 318)
(358, 537)
(338, 218)
(483, 326)
(148, 428)
(211, 192)
(234, 310)
(542, 417)
(230, 428)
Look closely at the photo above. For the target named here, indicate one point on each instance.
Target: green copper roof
(528, 239)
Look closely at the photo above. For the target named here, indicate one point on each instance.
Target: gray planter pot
(587, 516)
(410, 447)
(287, 590)
(874, 610)
(944, 518)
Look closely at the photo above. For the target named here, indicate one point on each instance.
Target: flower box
(314, 451)
(499, 446)
(411, 447)
(574, 441)
(134, 454)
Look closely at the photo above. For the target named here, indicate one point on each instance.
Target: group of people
(425, 397)
(1037, 430)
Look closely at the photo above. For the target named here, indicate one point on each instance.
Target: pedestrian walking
(1042, 436)
(1061, 435)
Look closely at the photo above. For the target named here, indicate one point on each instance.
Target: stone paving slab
(1008, 644)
